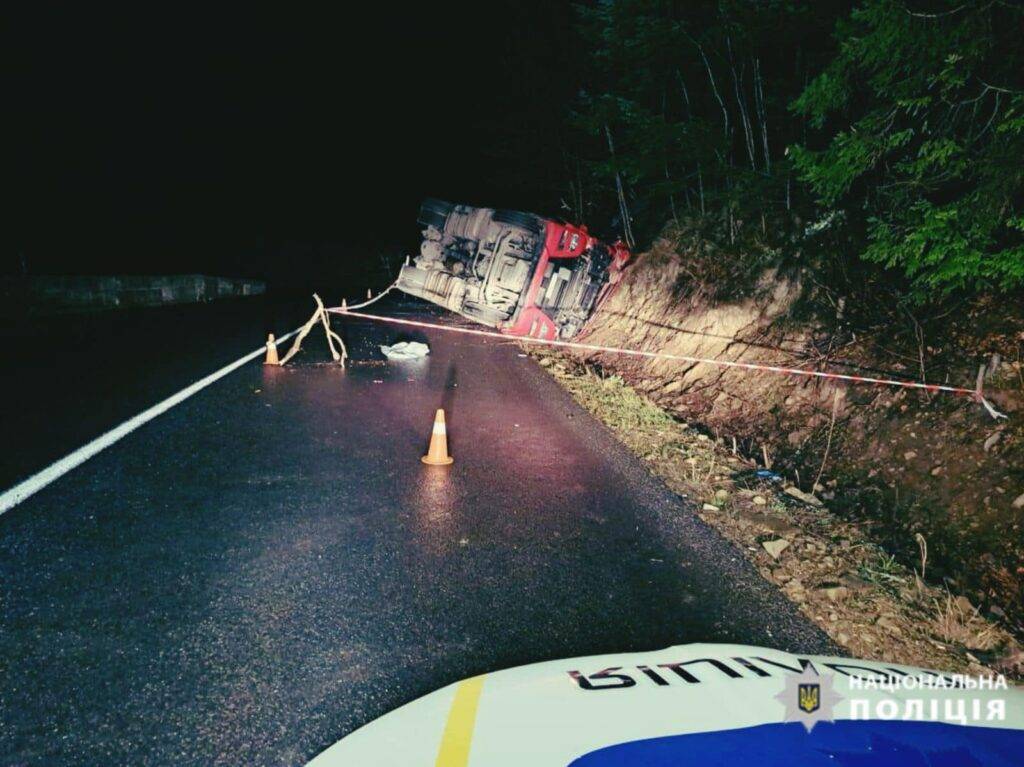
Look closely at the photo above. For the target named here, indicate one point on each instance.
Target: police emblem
(809, 697)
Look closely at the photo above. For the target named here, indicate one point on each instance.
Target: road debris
(320, 315)
(405, 350)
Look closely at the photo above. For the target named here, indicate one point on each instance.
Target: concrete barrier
(46, 295)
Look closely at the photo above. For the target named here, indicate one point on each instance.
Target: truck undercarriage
(518, 272)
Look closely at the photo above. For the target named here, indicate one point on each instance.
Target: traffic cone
(437, 455)
(271, 352)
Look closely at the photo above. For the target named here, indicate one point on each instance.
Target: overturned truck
(518, 272)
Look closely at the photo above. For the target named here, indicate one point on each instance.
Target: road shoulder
(828, 567)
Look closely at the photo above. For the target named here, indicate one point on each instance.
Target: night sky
(171, 140)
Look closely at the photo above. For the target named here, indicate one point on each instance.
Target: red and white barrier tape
(973, 393)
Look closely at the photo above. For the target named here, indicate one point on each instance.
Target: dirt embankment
(919, 472)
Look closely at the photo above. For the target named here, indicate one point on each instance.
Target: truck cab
(521, 273)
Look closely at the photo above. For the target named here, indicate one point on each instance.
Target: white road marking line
(55, 471)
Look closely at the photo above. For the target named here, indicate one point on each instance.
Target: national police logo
(809, 697)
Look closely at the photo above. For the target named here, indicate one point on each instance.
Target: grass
(884, 571)
(961, 626)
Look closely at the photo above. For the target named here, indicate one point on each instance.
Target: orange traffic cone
(271, 352)
(437, 455)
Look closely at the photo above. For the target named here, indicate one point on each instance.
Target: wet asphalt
(269, 565)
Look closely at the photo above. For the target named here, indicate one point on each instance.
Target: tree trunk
(700, 187)
(718, 96)
(627, 227)
(741, 101)
(762, 112)
(671, 196)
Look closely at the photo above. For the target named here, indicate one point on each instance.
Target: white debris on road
(405, 350)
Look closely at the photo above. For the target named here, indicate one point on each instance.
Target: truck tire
(517, 218)
(434, 213)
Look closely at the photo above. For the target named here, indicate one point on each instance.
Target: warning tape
(973, 393)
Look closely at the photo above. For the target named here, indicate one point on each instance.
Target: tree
(693, 97)
(922, 112)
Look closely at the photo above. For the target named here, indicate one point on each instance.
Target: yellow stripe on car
(458, 731)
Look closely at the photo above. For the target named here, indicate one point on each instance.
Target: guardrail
(45, 295)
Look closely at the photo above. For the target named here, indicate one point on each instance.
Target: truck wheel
(434, 213)
(517, 218)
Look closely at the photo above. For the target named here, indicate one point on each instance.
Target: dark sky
(184, 140)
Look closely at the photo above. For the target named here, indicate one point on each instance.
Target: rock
(889, 625)
(1011, 661)
(758, 500)
(800, 495)
(991, 441)
(835, 593)
(854, 582)
(1007, 400)
(721, 495)
(997, 611)
(964, 604)
(842, 638)
(776, 547)
(673, 386)
(1018, 502)
(936, 471)
(780, 527)
(910, 455)
(709, 507)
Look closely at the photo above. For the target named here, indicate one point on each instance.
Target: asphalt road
(268, 565)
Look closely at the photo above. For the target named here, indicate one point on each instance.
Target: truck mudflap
(518, 272)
